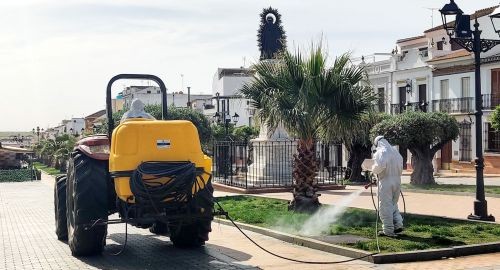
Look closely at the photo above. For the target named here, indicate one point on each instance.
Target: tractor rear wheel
(87, 202)
(194, 234)
(60, 208)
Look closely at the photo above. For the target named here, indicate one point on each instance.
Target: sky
(56, 57)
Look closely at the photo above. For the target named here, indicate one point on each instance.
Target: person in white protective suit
(136, 111)
(388, 166)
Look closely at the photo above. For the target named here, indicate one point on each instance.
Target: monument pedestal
(272, 158)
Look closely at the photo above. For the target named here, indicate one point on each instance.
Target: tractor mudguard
(95, 147)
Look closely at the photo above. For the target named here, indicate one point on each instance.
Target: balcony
(454, 105)
(490, 101)
(409, 107)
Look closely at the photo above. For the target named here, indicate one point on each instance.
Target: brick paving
(28, 241)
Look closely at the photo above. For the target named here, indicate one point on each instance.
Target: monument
(272, 151)
(271, 36)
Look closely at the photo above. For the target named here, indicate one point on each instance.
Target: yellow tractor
(153, 173)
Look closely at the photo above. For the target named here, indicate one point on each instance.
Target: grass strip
(421, 232)
(451, 188)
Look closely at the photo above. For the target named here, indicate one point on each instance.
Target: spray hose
(226, 214)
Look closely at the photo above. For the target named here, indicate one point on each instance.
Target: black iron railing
(268, 164)
(454, 105)
(409, 106)
(490, 101)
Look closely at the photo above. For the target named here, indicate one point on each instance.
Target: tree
(303, 94)
(423, 134)
(245, 133)
(495, 118)
(359, 146)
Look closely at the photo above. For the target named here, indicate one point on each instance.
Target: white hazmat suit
(136, 111)
(388, 166)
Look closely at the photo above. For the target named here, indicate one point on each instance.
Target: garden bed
(421, 232)
(47, 169)
(17, 175)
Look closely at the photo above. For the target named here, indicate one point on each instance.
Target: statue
(271, 36)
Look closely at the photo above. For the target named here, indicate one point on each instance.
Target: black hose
(282, 257)
(181, 178)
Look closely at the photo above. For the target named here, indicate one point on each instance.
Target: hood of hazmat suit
(388, 165)
(136, 111)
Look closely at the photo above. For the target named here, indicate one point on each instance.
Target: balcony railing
(409, 107)
(454, 105)
(490, 101)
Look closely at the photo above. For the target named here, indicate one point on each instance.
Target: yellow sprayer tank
(137, 140)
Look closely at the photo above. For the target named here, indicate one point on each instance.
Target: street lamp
(460, 33)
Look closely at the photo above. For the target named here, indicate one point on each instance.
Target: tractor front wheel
(60, 208)
(87, 202)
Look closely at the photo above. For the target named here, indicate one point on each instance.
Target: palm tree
(303, 94)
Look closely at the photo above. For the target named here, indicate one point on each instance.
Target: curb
(238, 190)
(396, 257)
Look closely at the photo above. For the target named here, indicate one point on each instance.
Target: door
(422, 97)
(446, 156)
(465, 141)
(402, 98)
(495, 88)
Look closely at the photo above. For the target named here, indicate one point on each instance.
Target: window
(440, 45)
(493, 139)
(466, 87)
(148, 92)
(423, 52)
(445, 89)
(381, 99)
(157, 91)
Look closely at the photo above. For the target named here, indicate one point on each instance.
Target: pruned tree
(423, 134)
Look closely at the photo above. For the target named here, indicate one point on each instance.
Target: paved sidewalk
(28, 241)
(464, 180)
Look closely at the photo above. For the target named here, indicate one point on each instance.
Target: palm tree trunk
(305, 198)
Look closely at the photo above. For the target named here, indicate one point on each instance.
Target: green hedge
(19, 175)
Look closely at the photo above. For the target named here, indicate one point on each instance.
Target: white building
(152, 95)
(439, 76)
(226, 98)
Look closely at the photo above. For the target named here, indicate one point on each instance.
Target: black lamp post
(457, 26)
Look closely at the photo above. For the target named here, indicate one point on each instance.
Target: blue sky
(57, 56)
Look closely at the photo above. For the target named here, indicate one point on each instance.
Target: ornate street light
(409, 86)
(236, 117)
(460, 33)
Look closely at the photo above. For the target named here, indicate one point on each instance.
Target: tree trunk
(305, 198)
(423, 171)
(358, 154)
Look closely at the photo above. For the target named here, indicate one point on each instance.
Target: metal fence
(454, 105)
(269, 164)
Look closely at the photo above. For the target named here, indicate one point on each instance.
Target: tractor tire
(159, 228)
(60, 208)
(194, 234)
(87, 201)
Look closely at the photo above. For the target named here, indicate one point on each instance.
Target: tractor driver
(136, 111)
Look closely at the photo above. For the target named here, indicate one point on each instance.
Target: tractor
(153, 173)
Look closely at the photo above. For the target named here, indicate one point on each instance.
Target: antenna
(432, 14)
